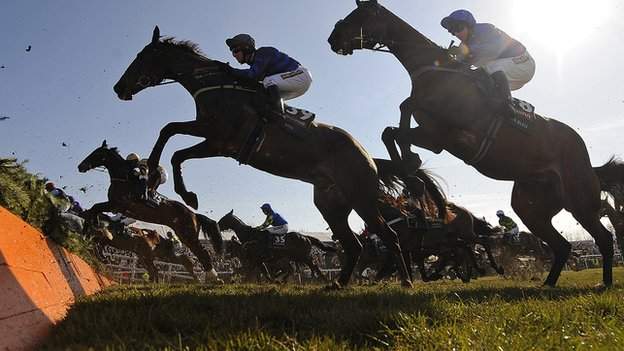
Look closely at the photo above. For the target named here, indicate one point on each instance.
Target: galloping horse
(185, 223)
(297, 247)
(147, 245)
(343, 174)
(553, 171)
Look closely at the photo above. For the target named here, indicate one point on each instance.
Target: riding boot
(274, 107)
(501, 101)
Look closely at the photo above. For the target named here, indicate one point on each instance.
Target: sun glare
(561, 24)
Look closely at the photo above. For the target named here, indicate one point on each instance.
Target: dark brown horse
(343, 174)
(552, 172)
(146, 244)
(297, 247)
(185, 223)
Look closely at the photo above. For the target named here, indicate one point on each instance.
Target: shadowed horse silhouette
(146, 244)
(343, 174)
(250, 270)
(185, 223)
(297, 247)
(553, 171)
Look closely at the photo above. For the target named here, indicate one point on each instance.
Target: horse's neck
(116, 167)
(408, 45)
(243, 231)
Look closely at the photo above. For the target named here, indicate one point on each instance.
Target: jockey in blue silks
(483, 45)
(274, 222)
(283, 76)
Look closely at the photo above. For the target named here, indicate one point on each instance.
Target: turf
(487, 314)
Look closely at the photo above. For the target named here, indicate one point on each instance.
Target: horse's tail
(211, 229)
(611, 176)
(434, 190)
(321, 245)
(390, 177)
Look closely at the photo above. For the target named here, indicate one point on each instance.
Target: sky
(60, 103)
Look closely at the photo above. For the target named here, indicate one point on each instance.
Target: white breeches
(290, 84)
(519, 70)
(280, 229)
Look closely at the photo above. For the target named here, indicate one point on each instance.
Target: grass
(488, 314)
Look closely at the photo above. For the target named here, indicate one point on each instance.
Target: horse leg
(148, 262)
(193, 128)
(202, 255)
(332, 205)
(488, 250)
(201, 150)
(536, 204)
(184, 261)
(587, 212)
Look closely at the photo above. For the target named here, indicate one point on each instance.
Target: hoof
(500, 270)
(333, 287)
(190, 199)
(600, 287)
(407, 284)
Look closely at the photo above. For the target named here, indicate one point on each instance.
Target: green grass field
(487, 314)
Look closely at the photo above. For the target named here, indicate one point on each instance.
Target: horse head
(146, 70)
(361, 29)
(160, 60)
(100, 157)
(230, 222)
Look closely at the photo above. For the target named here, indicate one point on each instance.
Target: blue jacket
(488, 43)
(267, 61)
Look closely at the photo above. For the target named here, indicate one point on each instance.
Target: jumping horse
(185, 223)
(343, 174)
(552, 172)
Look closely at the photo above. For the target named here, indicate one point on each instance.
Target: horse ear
(104, 143)
(231, 212)
(156, 35)
(365, 2)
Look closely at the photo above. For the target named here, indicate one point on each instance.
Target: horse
(145, 243)
(454, 113)
(258, 245)
(343, 174)
(278, 271)
(185, 223)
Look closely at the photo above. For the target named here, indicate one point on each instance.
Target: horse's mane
(186, 46)
(481, 226)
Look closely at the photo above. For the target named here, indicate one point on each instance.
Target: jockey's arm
(257, 68)
(267, 222)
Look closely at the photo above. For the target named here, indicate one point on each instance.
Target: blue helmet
(463, 16)
(265, 207)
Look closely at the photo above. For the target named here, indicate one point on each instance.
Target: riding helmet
(463, 16)
(500, 213)
(265, 207)
(244, 41)
(132, 157)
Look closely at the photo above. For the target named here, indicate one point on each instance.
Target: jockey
(58, 197)
(511, 228)
(281, 75)
(274, 223)
(140, 170)
(75, 206)
(483, 45)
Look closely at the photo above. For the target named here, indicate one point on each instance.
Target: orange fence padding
(39, 280)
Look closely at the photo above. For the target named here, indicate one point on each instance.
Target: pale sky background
(61, 90)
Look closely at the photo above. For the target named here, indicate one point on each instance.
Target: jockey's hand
(458, 52)
(224, 67)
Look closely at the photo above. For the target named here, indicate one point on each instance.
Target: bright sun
(564, 24)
